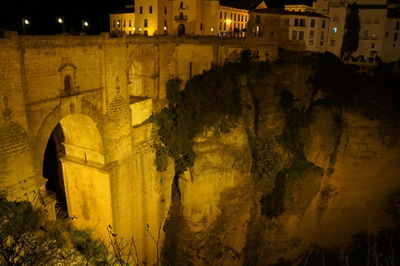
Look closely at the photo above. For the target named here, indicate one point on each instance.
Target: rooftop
(285, 12)
(242, 4)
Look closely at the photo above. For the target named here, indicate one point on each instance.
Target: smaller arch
(181, 30)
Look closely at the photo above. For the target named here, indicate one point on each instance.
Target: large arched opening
(78, 178)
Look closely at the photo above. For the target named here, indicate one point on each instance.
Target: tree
(351, 33)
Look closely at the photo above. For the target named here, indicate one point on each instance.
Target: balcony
(337, 4)
(181, 18)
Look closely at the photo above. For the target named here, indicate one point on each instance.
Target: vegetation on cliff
(210, 101)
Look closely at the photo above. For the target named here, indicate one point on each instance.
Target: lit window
(334, 30)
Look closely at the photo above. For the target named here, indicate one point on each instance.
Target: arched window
(181, 30)
(67, 85)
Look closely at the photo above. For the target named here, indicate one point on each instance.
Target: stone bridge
(73, 127)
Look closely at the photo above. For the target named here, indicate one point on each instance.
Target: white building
(378, 32)
(181, 17)
(309, 29)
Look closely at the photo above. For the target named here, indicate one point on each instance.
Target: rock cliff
(295, 172)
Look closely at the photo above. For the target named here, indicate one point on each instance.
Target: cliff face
(294, 173)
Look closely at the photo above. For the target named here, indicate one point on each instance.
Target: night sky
(43, 14)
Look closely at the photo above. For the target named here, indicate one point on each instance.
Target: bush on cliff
(27, 237)
(209, 101)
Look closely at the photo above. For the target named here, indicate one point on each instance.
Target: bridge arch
(74, 163)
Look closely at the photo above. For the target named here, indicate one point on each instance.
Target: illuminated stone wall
(86, 84)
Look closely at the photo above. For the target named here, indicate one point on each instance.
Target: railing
(181, 18)
(337, 4)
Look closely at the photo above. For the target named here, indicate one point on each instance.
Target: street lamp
(61, 21)
(85, 24)
(25, 22)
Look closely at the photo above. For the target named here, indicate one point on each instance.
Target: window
(311, 35)
(302, 22)
(312, 23)
(225, 15)
(387, 34)
(145, 33)
(165, 23)
(398, 25)
(165, 10)
(124, 23)
(322, 35)
(294, 35)
(220, 15)
(201, 26)
(296, 22)
(258, 19)
(322, 43)
(372, 45)
(181, 6)
(130, 23)
(145, 23)
(150, 9)
(310, 42)
(220, 26)
(141, 10)
(333, 42)
(67, 85)
(334, 30)
(323, 24)
(234, 17)
(395, 37)
(225, 26)
(301, 35)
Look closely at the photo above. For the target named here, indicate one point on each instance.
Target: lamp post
(25, 22)
(85, 24)
(61, 21)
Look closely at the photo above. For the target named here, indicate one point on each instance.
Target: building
(378, 28)
(123, 21)
(192, 17)
(309, 29)
(233, 21)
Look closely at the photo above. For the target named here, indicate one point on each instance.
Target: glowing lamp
(26, 22)
(60, 20)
